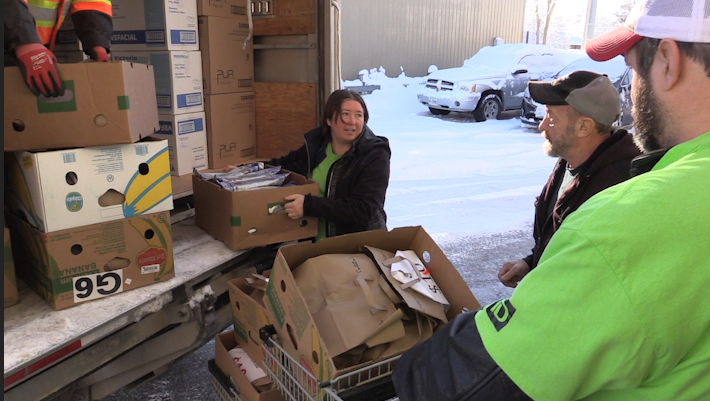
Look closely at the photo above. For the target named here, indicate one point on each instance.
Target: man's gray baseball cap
(592, 94)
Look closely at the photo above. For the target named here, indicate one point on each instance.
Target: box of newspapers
(243, 206)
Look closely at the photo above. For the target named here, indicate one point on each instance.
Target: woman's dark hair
(334, 106)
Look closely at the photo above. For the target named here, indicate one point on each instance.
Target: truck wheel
(489, 108)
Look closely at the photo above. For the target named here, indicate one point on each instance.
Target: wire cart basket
(224, 388)
(370, 383)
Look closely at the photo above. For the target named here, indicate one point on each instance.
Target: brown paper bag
(348, 305)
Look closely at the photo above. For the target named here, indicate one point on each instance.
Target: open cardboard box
(81, 264)
(104, 104)
(63, 189)
(286, 306)
(248, 310)
(225, 342)
(248, 219)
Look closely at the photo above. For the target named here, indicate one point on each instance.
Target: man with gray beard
(618, 307)
(580, 108)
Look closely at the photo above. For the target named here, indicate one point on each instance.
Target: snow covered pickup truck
(91, 350)
(490, 82)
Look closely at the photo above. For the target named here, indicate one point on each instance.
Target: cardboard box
(95, 111)
(66, 39)
(70, 57)
(223, 8)
(247, 392)
(187, 141)
(62, 189)
(231, 129)
(248, 311)
(11, 295)
(178, 78)
(154, 25)
(81, 264)
(226, 66)
(286, 306)
(252, 218)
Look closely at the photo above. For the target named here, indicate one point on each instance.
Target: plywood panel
(284, 112)
(291, 17)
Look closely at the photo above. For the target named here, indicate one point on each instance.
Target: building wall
(415, 34)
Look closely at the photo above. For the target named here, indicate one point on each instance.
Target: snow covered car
(491, 81)
(617, 71)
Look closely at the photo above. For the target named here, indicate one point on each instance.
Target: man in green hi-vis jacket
(618, 309)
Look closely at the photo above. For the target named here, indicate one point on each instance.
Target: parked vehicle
(617, 71)
(491, 81)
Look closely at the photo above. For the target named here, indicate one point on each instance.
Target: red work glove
(39, 68)
(98, 53)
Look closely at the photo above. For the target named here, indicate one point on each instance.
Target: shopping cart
(224, 387)
(370, 383)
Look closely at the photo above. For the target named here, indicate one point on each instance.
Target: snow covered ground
(453, 176)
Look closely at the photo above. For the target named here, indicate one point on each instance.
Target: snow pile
(541, 59)
(200, 295)
(152, 306)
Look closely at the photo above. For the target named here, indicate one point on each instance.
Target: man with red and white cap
(618, 307)
(580, 108)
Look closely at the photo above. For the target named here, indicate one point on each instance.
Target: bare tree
(543, 14)
(623, 11)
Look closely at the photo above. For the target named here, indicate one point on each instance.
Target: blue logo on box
(189, 100)
(166, 128)
(74, 201)
(183, 37)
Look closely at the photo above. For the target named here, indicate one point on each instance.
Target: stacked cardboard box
(228, 77)
(88, 193)
(246, 296)
(163, 34)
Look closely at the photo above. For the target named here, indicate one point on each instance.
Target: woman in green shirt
(351, 166)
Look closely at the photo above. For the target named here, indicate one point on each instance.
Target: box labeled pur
(227, 66)
(81, 264)
(62, 189)
(154, 25)
(236, 9)
(246, 219)
(187, 141)
(104, 104)
(178, 78)
(231, 128)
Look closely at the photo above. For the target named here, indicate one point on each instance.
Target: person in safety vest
(31, 28)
